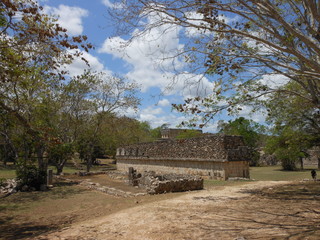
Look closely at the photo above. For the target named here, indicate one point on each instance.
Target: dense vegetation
(45, 114)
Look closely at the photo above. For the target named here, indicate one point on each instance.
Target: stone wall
(215, 147)
(314, 155)
(216, 156)
(156, 184)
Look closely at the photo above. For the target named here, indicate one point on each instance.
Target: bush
(29, 175)
(288, 164)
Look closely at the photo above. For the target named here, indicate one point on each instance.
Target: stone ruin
(212, 156)
(156, 184)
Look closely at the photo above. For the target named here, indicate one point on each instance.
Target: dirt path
(223, 213)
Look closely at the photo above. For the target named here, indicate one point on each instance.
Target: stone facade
(215, 156)
(173, 132)
(314, 156)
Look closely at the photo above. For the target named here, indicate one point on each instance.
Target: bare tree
(251, 48)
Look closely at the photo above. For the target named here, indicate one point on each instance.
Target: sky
(137, 62)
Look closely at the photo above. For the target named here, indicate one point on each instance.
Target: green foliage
(59, 153)
(248, 129)
(252, 133)
(2, 180)
(289, 145)
(188, 133)
(155, 133)
(30, 175)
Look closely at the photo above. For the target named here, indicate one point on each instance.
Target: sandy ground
(235, 212)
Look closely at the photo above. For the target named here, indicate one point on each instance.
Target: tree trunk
(60, 166)
(59, 170)
(42, 165)
(301, 163)
(89, 163)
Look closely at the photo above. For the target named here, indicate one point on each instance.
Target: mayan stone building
(215, 156)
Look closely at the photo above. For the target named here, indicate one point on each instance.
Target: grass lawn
(275, 173)
(7, 171)
(10, 172)
(269, 173)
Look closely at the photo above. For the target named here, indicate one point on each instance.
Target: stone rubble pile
(109, 190)
(98, 187)
(156, 184)
(9, 186)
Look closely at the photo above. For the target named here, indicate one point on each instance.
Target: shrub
(29, 175)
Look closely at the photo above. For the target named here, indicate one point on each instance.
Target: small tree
(289, 146)
(251, 132)
(58, 154)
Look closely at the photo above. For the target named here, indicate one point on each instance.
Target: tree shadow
(11, 231)
(60, 190)
(305, 191)
(282, 212)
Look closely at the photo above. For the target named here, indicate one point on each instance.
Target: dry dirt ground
(256, 210)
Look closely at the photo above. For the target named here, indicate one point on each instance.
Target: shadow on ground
(283, 212)
(21, 231)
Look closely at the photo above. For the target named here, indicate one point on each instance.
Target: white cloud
(78, 66)
(153, 61)
(197, 19)
(274, 81)
(247, 112)
(210, 127)
(157, 121)
(109, 4)
(69, 17)
(164, 102)
(152, 110)
(151, 56)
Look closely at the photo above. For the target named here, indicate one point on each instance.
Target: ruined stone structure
(215, 156)
(173, 132)
(156, 184)
(314, 156)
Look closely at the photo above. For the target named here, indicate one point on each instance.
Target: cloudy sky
(140, 61)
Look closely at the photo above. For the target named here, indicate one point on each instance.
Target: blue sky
(138, 62)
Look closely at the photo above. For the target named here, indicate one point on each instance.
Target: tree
(188, 133)
(252, 133)
(250, 47)
(296, 127)
(90, 100)
(58, 155)
(289, 145)
(33, 48)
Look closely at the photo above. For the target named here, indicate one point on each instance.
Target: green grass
(7, 172)
(275, 173)
(269, 173)
(10, 172)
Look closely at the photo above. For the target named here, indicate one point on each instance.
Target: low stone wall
(209, 169)
(156, 184)
(214, 170)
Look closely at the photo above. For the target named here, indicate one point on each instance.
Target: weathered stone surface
(156, 184)
(9, 186)
(216, 156)
(213, 147)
